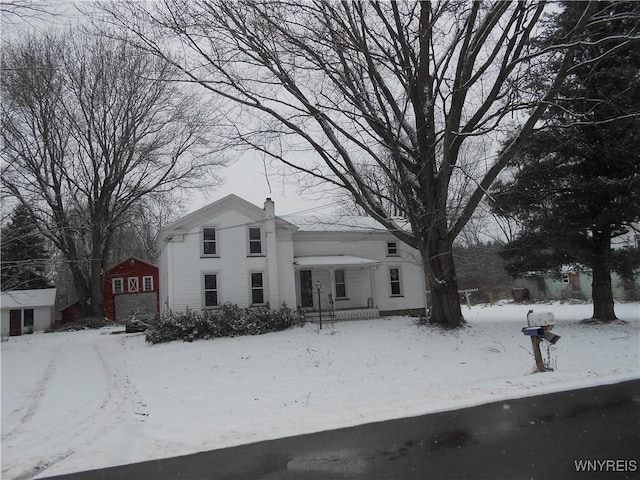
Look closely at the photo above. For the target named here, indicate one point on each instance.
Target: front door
(15, 322)
(306, 289)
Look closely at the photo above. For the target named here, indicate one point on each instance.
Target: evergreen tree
(575, 185)
(24, 253)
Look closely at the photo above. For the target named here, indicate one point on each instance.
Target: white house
(234, 251)
(27, 311)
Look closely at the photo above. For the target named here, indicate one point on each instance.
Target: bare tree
(21, 9)
(340, 90)
(90, 128)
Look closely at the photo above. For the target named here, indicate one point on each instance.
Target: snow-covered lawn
(83, 400)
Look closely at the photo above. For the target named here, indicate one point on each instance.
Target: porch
(342, 287)
(350, 314)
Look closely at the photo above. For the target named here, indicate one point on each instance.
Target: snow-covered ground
(83, 400)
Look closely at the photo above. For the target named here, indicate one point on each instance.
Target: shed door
(15, 322)
(130, 303)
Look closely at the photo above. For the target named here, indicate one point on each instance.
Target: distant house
(131, 286)
(27, 311)
(234, 251)
(574, 282)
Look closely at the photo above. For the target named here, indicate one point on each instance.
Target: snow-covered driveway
(61, 393)
(80, 400)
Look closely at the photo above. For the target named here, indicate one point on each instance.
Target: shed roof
(45, 297)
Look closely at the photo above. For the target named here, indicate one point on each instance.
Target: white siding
(42, 318)
(4, 318)
(286, 277)
(232, 266)
(163, 277)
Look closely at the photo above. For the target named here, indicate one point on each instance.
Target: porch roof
(333, 261)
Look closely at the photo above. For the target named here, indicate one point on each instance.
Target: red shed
(131, 286)
(72, 312)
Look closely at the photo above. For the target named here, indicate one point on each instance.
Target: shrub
(228, 321)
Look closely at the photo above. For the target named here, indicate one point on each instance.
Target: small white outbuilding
(27, 311)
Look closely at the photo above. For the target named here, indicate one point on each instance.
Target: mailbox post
(318, 287)
(538, 328)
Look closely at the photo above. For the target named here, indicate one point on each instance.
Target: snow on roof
(45, 297)
(339, 223)
(334, 260)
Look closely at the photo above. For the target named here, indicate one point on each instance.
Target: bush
(228, 321)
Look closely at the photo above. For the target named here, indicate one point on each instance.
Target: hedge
(227, 321)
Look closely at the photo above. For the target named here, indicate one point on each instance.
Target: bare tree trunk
(601, 292)
(97, 278)
(83, 290)
(442, 281)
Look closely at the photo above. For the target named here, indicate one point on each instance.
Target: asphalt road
(543, 437)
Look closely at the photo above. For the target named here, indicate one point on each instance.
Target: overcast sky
(248, 176)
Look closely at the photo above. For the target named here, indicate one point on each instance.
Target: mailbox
(538, 328)
(542, 319)
(533, 331)
(552, 338)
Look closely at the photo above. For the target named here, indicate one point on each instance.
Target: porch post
(332, 282)
(373, 285)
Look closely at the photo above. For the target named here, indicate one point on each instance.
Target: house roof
(45, 297)
(333, 260)
(300, 223)
(340, 223)
(230, 202)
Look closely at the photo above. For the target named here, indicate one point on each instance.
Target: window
(394, 278)
(341, 284)
(209, 245)
(565, 278)
(132, 284)
(117, 285)
(392, 248)
(28, 317)
(210, 290)
(147, 283)
(257, 288)
(255, 240)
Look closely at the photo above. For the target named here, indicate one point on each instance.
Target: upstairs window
(257, 288)
(147, 283)
(117, 285)
(209, 245)
(132, 284)
(341, 284)
(255, 241)
(394, 281)
(210, 290)
(392, 248)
